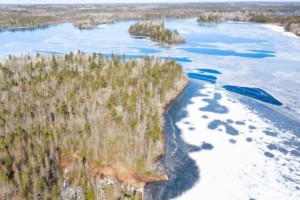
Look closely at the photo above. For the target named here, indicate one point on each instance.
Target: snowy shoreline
(279, 29)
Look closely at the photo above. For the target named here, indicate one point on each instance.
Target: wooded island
(156, 31)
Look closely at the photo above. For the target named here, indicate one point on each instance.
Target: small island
(209, 18)
(156, 31)
(92, 22)
(83, 123)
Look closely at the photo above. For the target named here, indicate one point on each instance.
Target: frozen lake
(235, 131)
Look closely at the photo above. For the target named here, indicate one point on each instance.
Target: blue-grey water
(235, 131)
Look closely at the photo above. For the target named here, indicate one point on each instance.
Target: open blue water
(210, 71)
(207, 78)
(254, 93)
(219, 52)
(261, 69)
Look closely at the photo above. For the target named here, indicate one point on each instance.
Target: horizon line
(181, 2)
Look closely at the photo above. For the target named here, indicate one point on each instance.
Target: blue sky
(121, 1)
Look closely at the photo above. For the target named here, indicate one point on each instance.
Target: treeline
(24, 21)
(71, 120)
(85, 16)
(209, 18)
(156, 31)
(90, 15)
(291, 23)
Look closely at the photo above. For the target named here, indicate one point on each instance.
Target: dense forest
(70, 121)
(156, 31)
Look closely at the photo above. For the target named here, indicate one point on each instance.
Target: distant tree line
(89, 16)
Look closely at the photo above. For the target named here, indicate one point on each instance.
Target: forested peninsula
(83, 125)
(156, 31)
(291, 23)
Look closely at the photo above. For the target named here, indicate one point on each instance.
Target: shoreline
(140, 181)
(151, 179)
(165, 109)
(280, 29)
(24, 28)
(164, 177)
(274, 27)
(172, 100)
